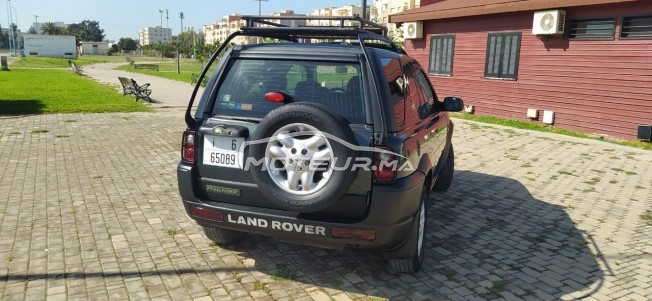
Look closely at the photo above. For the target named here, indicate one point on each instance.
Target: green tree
(49, 28)
(32, 30)
(113, 49)
(88, 31)
(127, 44)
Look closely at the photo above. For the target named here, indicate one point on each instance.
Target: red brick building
(595, 74)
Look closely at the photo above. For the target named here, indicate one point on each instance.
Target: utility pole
(181, 17)
(167, 19)
(12, 41)
(179, 43)
(194, 44)
(36, 24)
(16, 43)
(260, 2)
(364, 9)
(161, 39)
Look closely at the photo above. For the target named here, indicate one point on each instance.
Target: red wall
(600, 87)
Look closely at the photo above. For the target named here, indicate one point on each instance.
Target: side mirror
(453, 104)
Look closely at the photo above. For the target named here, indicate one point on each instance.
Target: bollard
(3, 61)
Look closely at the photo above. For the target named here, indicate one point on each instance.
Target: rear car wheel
(223, 236)
(445, 177)
(413, 263)
(304, 148)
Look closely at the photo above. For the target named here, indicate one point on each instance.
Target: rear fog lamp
(363, 234)
(207, 213)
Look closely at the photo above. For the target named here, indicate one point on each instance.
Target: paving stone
(513, 221)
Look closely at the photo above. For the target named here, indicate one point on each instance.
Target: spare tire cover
(304, 147)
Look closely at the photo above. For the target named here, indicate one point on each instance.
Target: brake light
(275, 97)
(188, 147)
(385, 166)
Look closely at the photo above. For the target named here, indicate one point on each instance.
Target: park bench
(129, 86)
(194, 77)
(146, 66)
(76, 69)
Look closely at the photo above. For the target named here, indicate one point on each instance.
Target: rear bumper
(390, 217)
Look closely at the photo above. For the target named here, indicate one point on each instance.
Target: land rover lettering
(276, 225)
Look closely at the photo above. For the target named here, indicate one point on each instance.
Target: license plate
(223, 151)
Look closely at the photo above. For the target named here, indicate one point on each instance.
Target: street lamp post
(16, 43)
(12, 41)
(161, 39)
(194, 44)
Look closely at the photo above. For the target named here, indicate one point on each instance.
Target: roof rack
(345, 23)
(345, 28)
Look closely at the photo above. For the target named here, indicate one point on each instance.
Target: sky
(124, 18)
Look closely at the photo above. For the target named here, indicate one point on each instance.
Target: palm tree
(51, 28)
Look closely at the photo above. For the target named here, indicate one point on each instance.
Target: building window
(441, 55)
(593, 29)
(502, 55)
(636, 28)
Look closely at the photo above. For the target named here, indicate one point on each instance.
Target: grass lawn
(167, 68)
(550, 129)
(46, 62)
(33, 91)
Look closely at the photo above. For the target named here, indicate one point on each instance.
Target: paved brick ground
(90, 210)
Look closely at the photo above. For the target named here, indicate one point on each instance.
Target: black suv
(326, 136)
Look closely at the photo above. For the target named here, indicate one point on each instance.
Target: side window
(502, 55)
(413, 99)
(431, 102)
(396, 82)
(639, 27)
(592, 29)
(441, 55)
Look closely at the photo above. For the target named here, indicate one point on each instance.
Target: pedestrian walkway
(166, 93)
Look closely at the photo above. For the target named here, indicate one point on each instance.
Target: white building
(50, 46)
(94, 48)
(155, 35)
(220, 30)
(381, 9)
(287, 12)
(343, 11)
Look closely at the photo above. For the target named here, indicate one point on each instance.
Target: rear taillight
(385, 166)
(188, 147)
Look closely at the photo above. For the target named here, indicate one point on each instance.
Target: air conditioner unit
(549, 22)
(413, 30)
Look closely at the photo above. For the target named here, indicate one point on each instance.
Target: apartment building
(287, 12)
(343, 11)
(220, 30)
(381, 9)
(155, 35)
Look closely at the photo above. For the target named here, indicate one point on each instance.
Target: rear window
(334, 84)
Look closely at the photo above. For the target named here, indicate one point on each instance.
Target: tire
(223, 237)
(445, 177)
(298, 185)
(413, 264)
